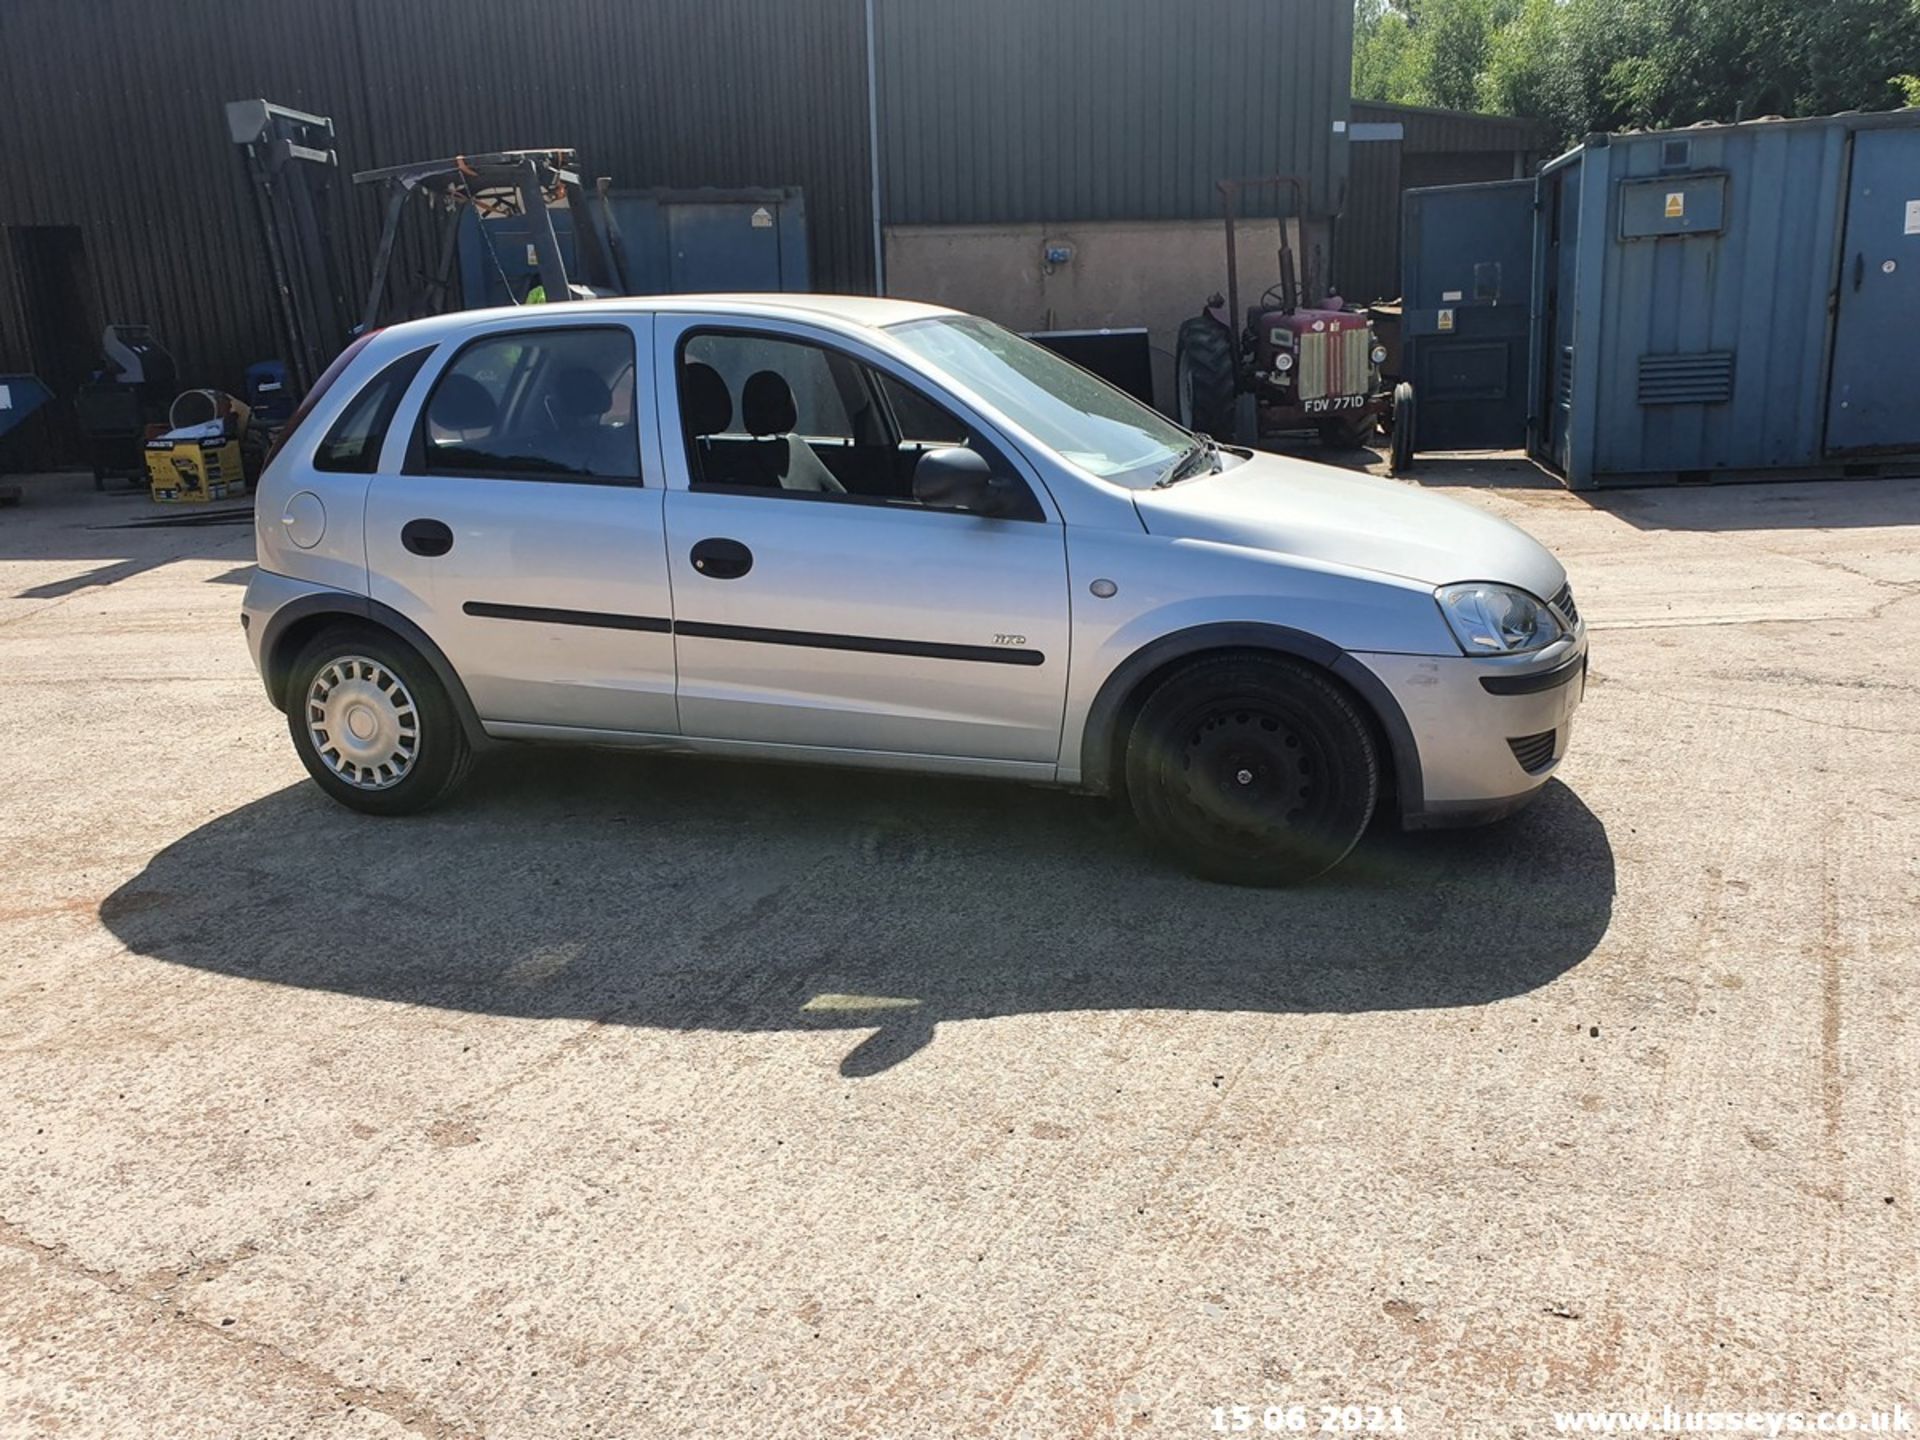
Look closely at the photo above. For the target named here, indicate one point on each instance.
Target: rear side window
(547, 404)
(353, 445)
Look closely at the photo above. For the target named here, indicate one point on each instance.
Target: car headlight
(1489, 619)
(1379, 354)
(1283, 362)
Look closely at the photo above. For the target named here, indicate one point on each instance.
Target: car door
(515, 523)
(837, 612)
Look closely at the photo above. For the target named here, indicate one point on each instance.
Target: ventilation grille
(1702, 378)
(1563, 602)
(1563, 378)
(1333, 364)
(1534, 752)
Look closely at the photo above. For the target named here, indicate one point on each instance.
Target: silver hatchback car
(869, 532)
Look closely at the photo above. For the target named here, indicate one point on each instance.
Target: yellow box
(195, 471)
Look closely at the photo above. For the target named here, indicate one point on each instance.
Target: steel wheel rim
(1248, 773)
(363, 723)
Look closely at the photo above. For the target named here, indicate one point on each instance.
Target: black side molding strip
(753, 634)
(486, 609)
(865, 644)
(1535, 683)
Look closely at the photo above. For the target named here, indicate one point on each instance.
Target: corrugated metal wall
(1437, 147)
(1427, 131)
(1007, 110)
(111, 119)
(1366, 241)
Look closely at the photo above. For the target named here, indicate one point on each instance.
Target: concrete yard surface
(635, 1096)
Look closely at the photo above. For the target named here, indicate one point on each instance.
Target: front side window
(763, 412)
(536, 404)
(353, 444)
(1067, 409)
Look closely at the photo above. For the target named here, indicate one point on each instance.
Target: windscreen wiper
(1203, 448)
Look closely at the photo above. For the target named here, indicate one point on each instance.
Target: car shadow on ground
(689, 894)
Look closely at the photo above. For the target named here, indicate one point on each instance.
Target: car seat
(769, 414)
(578, 403)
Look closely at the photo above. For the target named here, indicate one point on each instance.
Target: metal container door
(1467, 264)
(724, 246)
(1870, 400)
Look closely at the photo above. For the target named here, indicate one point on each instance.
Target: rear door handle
(427, 537)
(721, 559)
(1859, 268)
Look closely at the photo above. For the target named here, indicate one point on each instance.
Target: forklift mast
(291, 164)
(292, 168)
(494, 186)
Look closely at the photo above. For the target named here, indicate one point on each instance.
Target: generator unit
(1728, 298)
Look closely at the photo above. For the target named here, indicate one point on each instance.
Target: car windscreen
(1071, 411)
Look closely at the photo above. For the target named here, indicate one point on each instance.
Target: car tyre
(373, 724)
(1253, 769)
(1204, 383)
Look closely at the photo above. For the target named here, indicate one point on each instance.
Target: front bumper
(1489, 732)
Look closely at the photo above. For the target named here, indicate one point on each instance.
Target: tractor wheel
(1400, 456)
(1204, 379)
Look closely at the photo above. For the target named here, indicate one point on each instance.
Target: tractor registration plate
(1334, 402)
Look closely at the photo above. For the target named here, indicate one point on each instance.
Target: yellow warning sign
(1446, 320)
(1676, 205)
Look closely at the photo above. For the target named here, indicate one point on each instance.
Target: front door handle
(427, 537)
(720, 559)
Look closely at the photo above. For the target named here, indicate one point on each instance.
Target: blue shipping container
(673, 241)
(1729, 298)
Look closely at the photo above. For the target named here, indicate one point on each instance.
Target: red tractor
(1308, 364)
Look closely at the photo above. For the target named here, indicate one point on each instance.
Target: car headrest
(766, 404)
(580, 394)
(461, 403)
(704, 394)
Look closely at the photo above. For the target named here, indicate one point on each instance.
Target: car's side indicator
(1104, 589)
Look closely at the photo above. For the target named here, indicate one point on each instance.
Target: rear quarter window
(352, 446)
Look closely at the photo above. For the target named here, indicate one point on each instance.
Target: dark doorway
(53, 286)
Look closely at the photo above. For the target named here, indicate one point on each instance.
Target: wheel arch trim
(276, 656)
(1100, 741)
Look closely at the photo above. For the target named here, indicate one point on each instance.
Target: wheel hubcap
(363, 723)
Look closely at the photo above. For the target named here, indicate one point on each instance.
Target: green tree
(1584, 65)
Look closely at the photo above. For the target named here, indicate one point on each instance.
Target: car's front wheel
(372, 723)
(1253, 769)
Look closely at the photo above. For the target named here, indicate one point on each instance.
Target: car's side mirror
(955, 478)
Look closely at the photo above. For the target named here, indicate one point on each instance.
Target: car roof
(852, 311)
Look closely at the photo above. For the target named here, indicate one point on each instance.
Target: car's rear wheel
(1253, 769)
(372, 723)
